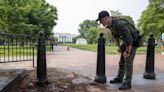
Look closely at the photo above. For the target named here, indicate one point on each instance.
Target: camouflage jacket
(121, 29)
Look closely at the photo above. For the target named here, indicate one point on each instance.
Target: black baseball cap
(102, 14)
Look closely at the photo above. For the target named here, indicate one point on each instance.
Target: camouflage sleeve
(125, 32)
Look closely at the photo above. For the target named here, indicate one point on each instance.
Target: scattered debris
(59, 81)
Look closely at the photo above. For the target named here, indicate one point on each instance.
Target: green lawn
(110, 49)
(19, 50)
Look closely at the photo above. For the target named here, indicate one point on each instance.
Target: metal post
(33, 58)
(100, 71)
(149, 69)
(41, 61)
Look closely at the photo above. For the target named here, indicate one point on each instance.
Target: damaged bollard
(100, 70)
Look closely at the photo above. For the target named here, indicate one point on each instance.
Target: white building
(64, 37)
(81, 41)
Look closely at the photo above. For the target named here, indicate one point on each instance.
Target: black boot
(116, 80)
(125, 86)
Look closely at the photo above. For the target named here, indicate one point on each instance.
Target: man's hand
(126, 54)
(119, 49)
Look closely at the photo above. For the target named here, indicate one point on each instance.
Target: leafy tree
(107, 34)
(91, 35)
(152, 19)
(88, 30)
(27, 16)
(85, 26)
(117, 14)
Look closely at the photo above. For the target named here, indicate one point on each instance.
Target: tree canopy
(88, 30)
(152, 19)
(119, 15)
(27, 17)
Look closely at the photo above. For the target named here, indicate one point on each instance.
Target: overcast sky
(72, 12)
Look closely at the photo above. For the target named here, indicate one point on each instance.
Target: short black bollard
(41, 61)
(100, 71)
(149, 69)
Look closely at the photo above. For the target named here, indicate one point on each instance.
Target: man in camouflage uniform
(52, 42)
(122, 31)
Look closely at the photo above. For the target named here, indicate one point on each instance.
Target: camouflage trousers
(126, 66)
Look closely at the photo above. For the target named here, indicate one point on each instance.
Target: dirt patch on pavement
(59, 81)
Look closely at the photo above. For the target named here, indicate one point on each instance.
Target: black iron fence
(16, 47)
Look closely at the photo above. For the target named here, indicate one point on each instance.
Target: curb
(18, 78)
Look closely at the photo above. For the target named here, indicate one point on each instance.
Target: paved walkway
(84, 63)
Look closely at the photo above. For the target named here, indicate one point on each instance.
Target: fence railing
(16, 47)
